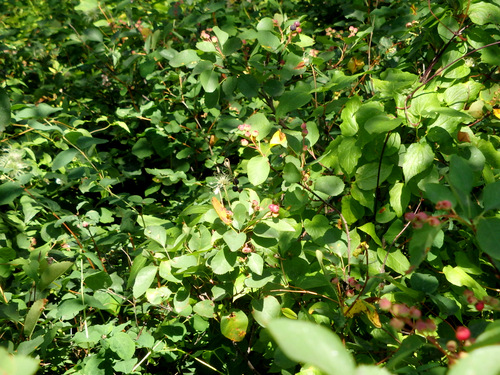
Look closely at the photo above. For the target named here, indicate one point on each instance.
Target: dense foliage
(249, 187)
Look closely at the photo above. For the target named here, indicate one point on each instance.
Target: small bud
(349, 293)
(452, 346)
(303, 126)
(244, 142)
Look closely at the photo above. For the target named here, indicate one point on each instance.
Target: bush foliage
(243, 187)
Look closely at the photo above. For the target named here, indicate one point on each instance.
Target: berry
(443, 205)
(299, 30)
(303, 126)
(296, 23)
(462, 334)
(274, 208)
(384, 304)
(293, 27)
(480, 306)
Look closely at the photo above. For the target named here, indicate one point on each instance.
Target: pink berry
(410, 216)
(443, 205)
(480, 306)
(274, 208)
(384, 304)
(303, 126)
(433, 221)
(397, 323)
(296, 23)
(299, 30)
(463, 333)
(422, 216)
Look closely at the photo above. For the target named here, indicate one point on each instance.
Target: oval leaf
(306, 342)
(234, 326)
(258, 170)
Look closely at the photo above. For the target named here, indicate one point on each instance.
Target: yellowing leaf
(278, 138)
(223, 213)
(496, 112)
(361, 306)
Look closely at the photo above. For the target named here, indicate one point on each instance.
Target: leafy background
(352, 151)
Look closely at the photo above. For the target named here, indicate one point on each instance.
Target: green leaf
(234, 326)
(255, 263)
(291, 174)
(266, 310)
(17, 364)
(330, 185)
(490, 336)
(9, 191)
(488, 236)
(205, 308)
(98, 280)
(258, 170)
(4, 110)
(407, 348)
(457, 276)
(52, 272)
(310, 343)
(421, 243)
(417, 159)
(424, 282)
(399, 198)
(63, 158)
(396, 260)
(187, 57)
(491, 196)
(248, 85)
(234, 240)
(209, 80)
(122, 344)
(268, 40)
(349, 153)
(33, 315)
(223, 261)
(482, 13)
(143, 280)
(367, 175)
(317, 227)
(157, 233)
(381, 124)
(291, 101)
(349, 126)
(478, 362)
(460, 175)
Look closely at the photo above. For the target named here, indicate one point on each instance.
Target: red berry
(480, 306)
(462, 334)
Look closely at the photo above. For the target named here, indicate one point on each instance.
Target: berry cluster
(419, 219)
(248, 133)
(295, 27)
(404, 316)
